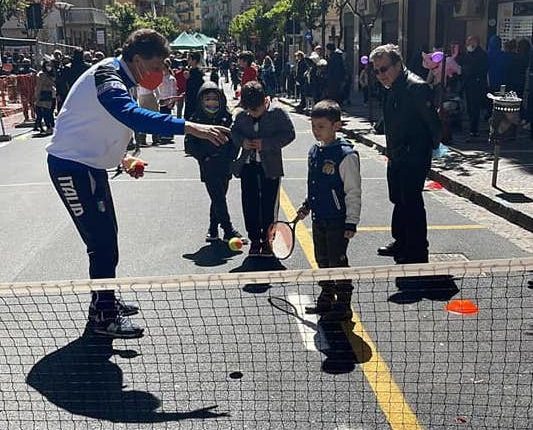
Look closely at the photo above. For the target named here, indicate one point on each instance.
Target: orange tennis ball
(138, 167)
(235, 243)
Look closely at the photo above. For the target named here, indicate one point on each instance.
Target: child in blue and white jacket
(334, 199)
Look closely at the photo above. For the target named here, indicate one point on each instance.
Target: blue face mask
(212, 107)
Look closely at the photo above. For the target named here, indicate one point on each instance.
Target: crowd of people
(471, 72)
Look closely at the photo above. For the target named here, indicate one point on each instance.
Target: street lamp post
(63, 8)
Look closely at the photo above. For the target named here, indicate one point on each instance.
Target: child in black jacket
(214, 161)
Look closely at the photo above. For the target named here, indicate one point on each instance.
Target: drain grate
(444, 257)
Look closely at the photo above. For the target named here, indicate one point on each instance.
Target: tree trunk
(341, 25)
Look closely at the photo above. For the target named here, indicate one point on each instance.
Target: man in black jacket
(474, 65)
(194, 82)
(336, 74)
(412, 130)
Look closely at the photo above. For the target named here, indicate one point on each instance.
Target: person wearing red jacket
(181, 74)
(249, 69)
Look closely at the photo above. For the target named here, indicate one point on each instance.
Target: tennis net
(237, 350)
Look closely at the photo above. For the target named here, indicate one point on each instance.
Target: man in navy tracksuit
(93, 130)
(334, 198)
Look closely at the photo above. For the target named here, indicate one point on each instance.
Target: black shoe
(121, 309)
(212, 235)
(319, 309)
(255, 249)
(230, 234)
(390, 250)
(119, 328)
(125, 309)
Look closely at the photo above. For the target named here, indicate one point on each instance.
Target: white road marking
(313, 340)
(40, 184)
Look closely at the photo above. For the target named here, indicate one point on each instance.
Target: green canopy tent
(206, 40)
(186, 42)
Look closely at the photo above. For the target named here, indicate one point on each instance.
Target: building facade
(423, 25)
(189, 14)
(216, 16)
(77, 22)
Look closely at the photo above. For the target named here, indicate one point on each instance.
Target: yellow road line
(389, 396)
(430, 227)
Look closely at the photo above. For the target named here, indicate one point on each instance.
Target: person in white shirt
(92, 132)
(167, 94)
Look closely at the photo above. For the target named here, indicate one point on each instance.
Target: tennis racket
(119, 170)
(281, 235)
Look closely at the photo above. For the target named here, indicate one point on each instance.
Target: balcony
(86, 16)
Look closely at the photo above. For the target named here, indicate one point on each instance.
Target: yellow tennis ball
(235, 243)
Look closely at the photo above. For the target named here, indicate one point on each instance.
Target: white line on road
(131, 181)
(313, 340)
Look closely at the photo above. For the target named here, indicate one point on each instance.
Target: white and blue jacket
(334, 183)
(95, 124)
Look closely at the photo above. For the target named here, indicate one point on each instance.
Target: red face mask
(151, 80)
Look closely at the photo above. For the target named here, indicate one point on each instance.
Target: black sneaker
(212, 235)
(324, 304)
(119, 328)
(390, 250)
(121, 309)
(255, 249)
(266, 250)
(125, 309)
(228, 235)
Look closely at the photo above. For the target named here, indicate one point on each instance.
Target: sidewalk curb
(512, 215)
(499, 208)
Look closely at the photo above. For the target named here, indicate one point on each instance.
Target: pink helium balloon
(364, 59)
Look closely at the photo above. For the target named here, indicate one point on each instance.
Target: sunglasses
(383, 69)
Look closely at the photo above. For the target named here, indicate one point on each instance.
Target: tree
(368, 21)
(10, 8)
(242, 25)
(339, 6)
(123, 17)
(162, 24)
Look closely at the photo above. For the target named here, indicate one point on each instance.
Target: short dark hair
(195, 56)
(146, 43)
(247, 56)
(328, 109)
(252, 95)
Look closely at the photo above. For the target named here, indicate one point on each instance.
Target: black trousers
(330, 251)
(474, 99)
(217, 188)
(260, 200)
(86, 194)
(167, 110)
(409, 226)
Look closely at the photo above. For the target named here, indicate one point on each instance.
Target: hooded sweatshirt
(202, 149)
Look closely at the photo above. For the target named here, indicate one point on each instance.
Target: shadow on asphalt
(344, 348)
(81, 379)
(258, 264)
(214, 254)
(413, 289)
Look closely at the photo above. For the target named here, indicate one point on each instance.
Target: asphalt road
(402, 363)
